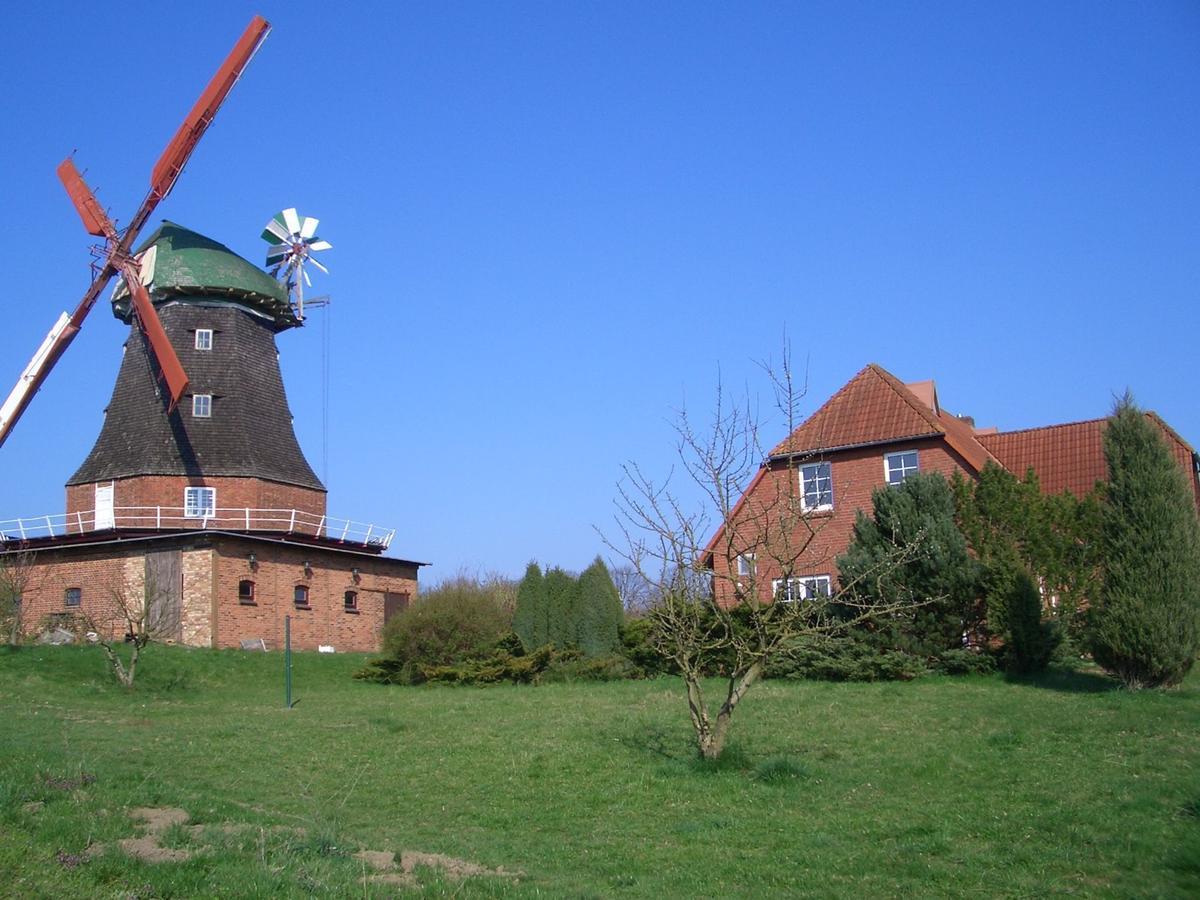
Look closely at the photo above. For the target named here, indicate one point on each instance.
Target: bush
(964, 662)
(456, 621)
(846, 658)
(1030, 642)
(638, 648)
(1145, 624)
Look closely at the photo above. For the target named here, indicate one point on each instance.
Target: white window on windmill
(202, 406)
(199, 502)
(204, 338)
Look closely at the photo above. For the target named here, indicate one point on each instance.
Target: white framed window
(204, 338)
(745, 564)
(898, 466)
(816, 486)
(803, 587)
(202, 406)
(199, 502)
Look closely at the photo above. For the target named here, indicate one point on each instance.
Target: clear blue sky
(554, 223)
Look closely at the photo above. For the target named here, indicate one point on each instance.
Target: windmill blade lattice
(293, 240)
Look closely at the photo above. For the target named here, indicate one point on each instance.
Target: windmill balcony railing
(165, 518)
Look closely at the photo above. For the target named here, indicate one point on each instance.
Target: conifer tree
(1145, 623)
(600, 611)
(941, 582)
(531, 618)
(562, 600)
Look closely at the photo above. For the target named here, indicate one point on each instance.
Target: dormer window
(204, 338)
(202, 406)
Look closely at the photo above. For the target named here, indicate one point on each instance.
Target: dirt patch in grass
(156, 819)
(389, 872)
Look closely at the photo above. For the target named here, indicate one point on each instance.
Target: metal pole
(287, 660)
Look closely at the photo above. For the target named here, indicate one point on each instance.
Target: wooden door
(105, 518)
(392, 604)
(164, 593)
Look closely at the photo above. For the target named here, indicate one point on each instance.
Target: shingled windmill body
(227, 453)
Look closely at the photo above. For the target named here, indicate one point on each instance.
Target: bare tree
(135, 617)
(16, 578)
(636, 593)
(717, 598)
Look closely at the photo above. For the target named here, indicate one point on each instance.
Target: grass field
(940, 787)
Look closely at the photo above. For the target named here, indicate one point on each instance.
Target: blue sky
(554, 224)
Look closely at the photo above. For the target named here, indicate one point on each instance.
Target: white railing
(165, 518)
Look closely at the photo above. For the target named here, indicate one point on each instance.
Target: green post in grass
(287, 660)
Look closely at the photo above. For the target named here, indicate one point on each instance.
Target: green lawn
(954, 787)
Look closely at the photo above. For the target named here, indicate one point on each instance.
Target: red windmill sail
(117, 258)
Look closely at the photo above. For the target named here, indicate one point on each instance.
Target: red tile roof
(874, 407)
(1069, 457)
(1066, 457)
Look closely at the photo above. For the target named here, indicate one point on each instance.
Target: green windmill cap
(186, 264)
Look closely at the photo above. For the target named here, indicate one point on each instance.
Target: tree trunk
(711, 735)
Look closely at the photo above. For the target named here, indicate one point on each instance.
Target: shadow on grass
(1069, 681)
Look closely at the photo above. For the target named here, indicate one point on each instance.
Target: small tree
(1145, 624)
(708, 613)
(16, 578)
(1029, 639)
(940, 587)
(600, 613)
(134, 618)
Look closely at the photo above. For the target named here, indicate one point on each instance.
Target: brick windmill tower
(196, 496)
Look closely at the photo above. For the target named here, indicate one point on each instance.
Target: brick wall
(824, 535)
(210, 611)
(166, 491)
(278, 570)
(101, 576)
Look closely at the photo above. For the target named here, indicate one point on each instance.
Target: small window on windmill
(246, 592)
(300, 596)
(204, 338)
(199, 502)
(202, 406)
(350, 599)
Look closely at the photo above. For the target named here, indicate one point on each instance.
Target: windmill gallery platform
(208, 507)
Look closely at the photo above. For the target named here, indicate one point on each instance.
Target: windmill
(293, 241)
(115, 255)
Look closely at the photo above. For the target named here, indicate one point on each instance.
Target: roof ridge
(908, 396)
(1048, 427)
(780, 447)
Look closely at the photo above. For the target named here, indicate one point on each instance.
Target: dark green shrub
(638, 648)
(964, 662)
(845, 658)
(458, 620)
(1030, 642)
(939, 579)
(1145, 623)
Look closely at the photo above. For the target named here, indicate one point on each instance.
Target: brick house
(876, 431)
(210, 508)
